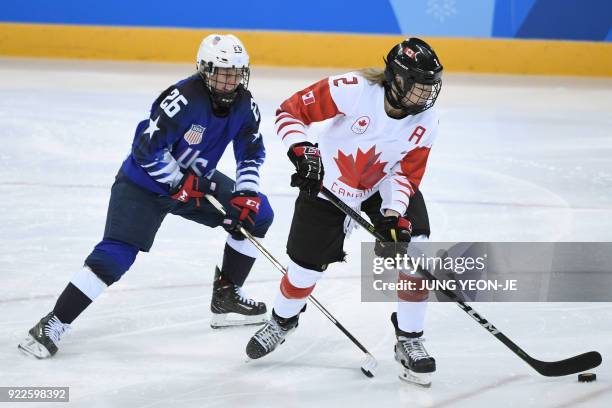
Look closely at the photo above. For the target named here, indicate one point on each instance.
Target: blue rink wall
(585, 20)
(516, 36)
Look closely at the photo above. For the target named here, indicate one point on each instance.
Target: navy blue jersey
(183, 134)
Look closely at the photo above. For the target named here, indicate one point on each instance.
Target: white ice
(517, 159)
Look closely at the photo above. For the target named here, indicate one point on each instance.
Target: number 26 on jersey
(172, 103)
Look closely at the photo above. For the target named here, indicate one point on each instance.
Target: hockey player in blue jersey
(170, 168)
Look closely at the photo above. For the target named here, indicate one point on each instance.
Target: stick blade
(573, 365)
(368, 367)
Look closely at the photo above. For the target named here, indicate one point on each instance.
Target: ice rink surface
(516, 159)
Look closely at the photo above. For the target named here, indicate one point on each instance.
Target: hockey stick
(568, 366)
(369, 364)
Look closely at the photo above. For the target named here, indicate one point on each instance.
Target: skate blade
(225, 320)
(420, 379)
(31, 348)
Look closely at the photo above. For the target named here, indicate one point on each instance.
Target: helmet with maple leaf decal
(413, 76)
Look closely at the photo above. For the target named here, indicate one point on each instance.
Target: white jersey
(363, 150)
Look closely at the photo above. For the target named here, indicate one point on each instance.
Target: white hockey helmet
(223, 63)
(223, 51)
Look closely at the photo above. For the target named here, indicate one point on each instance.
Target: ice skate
(271, 335)
(417, 366)
(43, 337)
(231, 307)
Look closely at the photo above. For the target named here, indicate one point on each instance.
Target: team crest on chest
(361, 171)
(361, 125)
(194, 134)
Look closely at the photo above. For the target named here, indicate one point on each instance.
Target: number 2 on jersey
(345, 81)
(171, 103)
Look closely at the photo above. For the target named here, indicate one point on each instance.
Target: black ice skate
(43, 338)
(231, 307)
(271, 335)
(417, 365)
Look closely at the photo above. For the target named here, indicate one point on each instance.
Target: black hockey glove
(192, 186)
(396, 231)
(243, 208)
(308, 175)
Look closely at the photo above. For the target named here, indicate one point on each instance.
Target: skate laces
(55, 328)
(270, 334)
(242, 296)
(414, 347)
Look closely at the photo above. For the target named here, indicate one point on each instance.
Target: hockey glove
(308, 175)
(243, 208)
(192, 186)
(396, 231)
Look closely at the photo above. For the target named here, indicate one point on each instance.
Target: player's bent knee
(413, 289)
(110, 259)
(299, 281)
(264, 218)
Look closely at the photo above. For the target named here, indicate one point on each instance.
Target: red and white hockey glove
(192, 186)
(243, 208)
(397, 232)
(308, 175)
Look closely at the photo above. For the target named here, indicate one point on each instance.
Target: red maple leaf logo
(364, 171)
(363, 122)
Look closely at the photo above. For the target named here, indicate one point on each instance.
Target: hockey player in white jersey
(381, 125)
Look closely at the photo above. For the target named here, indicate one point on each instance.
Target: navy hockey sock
(70, 304)
(236, 266)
